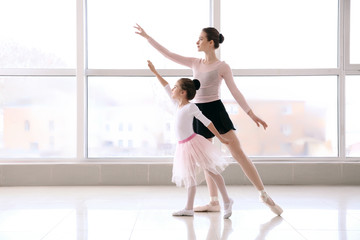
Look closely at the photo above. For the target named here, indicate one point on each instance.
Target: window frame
(82, 72)
(351, 69)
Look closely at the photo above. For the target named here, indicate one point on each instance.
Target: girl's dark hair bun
(221, 38)
(196, 83)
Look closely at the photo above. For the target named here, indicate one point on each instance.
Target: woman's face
(203, 44)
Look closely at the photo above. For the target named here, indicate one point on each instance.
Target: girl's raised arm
(159, 77)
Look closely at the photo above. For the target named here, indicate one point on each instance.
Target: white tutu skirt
(192, 157)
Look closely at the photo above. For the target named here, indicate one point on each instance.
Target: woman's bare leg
(246, 164)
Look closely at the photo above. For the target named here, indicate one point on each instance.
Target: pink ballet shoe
(264, 197)
(207, 208)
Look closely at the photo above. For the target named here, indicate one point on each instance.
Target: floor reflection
(265, 228)
(138, 213)
(219, 228)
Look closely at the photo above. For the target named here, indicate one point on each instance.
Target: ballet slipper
(264, 197)
(207, 208)
(183, 213)
(228, 209)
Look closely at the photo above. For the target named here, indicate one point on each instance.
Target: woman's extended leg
(250, 171)
(245, 163)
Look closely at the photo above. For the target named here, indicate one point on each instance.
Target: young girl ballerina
(194, 154)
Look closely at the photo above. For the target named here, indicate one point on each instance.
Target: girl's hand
(141, 31)
(257, 120)
(151, 66)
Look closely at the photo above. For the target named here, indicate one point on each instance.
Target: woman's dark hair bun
(221, 38)
(196, 83)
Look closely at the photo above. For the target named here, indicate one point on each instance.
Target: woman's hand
(141, 31)
(257, 120)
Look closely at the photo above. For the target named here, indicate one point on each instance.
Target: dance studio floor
(144, 212)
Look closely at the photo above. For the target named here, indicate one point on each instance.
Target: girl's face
(177, 92)
(203, 44)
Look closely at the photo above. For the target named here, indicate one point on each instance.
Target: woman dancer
(194, 154)
(211, 71)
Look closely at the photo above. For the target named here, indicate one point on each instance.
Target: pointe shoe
(274, 208)
(228, 209)
(183, 213)
(207, 208)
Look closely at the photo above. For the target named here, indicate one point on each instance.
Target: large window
(113, 44)
(129, 117)
(355, 32)
(301, 123)
(280, 33)
(37, 34)
(352, 116)
(74, 82)
(37, 117)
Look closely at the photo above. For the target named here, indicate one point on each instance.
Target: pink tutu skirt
(192, 156)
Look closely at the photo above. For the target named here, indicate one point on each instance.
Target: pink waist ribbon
(188, 139)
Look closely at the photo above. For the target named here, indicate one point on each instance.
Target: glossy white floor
(106, 213)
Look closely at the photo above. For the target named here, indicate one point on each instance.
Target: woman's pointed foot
(266, 199)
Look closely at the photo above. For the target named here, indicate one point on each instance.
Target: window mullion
(81, 83)
(343, 60)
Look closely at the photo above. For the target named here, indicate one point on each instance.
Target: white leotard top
(184, 118)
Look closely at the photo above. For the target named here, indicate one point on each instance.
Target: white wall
(99, 174)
